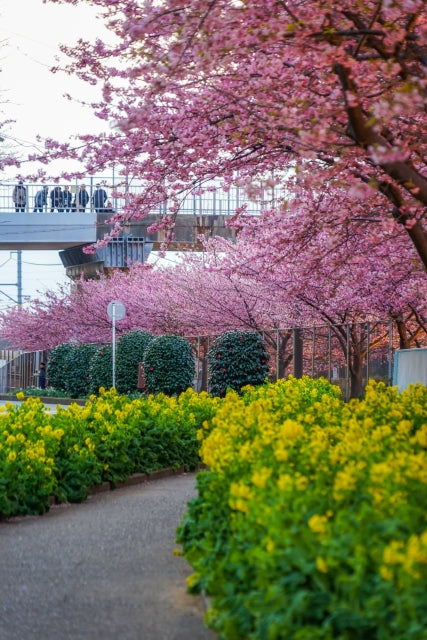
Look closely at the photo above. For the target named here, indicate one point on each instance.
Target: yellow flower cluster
(307, 467)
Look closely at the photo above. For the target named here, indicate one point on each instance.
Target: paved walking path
(101, 570)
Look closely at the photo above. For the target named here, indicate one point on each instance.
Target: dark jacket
(83, 198)
(40, 198)
(56, 197)
(67, 197)
(99, 198)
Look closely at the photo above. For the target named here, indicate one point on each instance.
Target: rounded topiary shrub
(236, 358)
(77, 374)
(101, 369)
(57, 366)
(130, 352)
(169, 365)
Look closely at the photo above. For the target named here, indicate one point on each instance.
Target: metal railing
(19, 369)
(214, 201)
(347, 355)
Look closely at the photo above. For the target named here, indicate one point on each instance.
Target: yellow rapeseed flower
(240, 490)
(12, 456)
(421, 436)
(321, 565)
(394, 553)
(260, 477)
(291, 429)
(301, 482)
(318, 523)
(386, 573)
(285, 482)
(191, 580)
(270, 545)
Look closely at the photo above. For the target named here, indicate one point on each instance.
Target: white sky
(32, 96)
(30, 32)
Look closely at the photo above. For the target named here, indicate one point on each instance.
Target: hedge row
(311, 521)
(236, 358)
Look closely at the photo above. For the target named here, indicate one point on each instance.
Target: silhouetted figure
(98, 199)
(42, 376)
(40, 199)
(67, 197)
(56, 199)
(19, 197)
(82, 198)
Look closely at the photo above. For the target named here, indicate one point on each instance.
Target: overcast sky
(30, 32)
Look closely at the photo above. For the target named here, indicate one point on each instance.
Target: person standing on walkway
(66, 198)
(19, 197)
(82, 199)
(40, 199)
(56, 199)
(42, 376)
(98, 199)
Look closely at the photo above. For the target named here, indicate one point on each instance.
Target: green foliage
(107, 439)
(28, 446)
(57, 366)
(310, 520)
(101, 369)
(236, 359)
(48, 392)
(130, 352)
(169, 365)
(77, 373)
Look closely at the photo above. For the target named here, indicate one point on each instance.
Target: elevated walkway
(70, 231)
(32, 231)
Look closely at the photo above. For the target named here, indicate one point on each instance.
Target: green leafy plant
(48, 392)
(310, 519)
(236, 359)
(57, 366)
(28, 446)
(101, 369)
(130, 352)
(77, 369)
(169, 365)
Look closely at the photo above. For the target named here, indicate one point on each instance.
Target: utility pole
(19, 277)
(18, 283)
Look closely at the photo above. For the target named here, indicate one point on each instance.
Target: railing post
(297, 344)
(390, 352)
(347, 359)
(368, 346)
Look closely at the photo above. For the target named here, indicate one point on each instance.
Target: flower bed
(310, 523)
(108, 439)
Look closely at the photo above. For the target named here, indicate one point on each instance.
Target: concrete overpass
(56, 230)
(70, 232)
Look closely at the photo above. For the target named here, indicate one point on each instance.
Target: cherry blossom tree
(313, 94)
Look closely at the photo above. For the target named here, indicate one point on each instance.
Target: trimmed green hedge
(169, 365)
(236, 359)
(130, 353)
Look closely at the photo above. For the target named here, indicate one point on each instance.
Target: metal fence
(347, 355)
(213, 200)
(19, 369)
